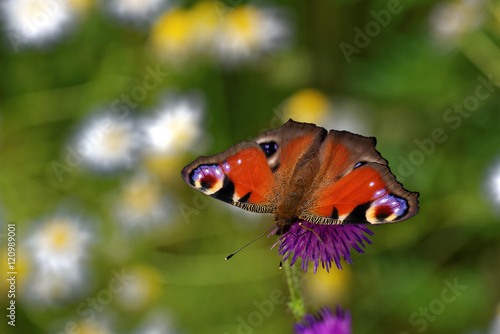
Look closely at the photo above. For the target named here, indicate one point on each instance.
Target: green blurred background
(399, 71)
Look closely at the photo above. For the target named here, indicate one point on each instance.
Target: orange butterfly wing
(252, 175)
(355, 186)
(239, 176)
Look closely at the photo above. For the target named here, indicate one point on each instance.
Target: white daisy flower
(175, 127)
(450, 20)
(106, 143)
(248, 31)
(36, 22)
(141, 204)
(135, 10)
(60, 243)
(58, 249)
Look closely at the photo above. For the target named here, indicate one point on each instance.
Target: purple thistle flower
(337, 241)
(326, 323)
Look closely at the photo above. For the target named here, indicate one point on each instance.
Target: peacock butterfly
(301, 171)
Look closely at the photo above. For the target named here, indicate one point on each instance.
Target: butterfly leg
(310, 229)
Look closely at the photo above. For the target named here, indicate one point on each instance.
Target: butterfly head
(283, 226)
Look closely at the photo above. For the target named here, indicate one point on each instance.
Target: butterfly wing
(251, 174)
(355, 185)
(239, 176)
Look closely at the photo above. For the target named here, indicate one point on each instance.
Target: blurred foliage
(400, 86)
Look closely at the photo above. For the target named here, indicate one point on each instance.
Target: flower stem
(296, 303)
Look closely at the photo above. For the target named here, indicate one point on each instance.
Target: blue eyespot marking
(388, 204)
(207, 176)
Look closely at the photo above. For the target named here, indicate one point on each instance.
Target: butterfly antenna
(310, 229)
(232, 254)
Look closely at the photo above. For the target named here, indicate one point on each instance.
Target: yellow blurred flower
(163, 166)
(242, 23)
(340, 113)
(22, 267)
(172, 35)
(141, 205)
(328, 288)
(308, 105)
(142, 291)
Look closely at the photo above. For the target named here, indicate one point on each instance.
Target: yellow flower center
(114, 140)
(243, 22)
(173, 29)
(59, 233)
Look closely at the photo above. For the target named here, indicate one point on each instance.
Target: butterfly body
(300, 171)
(287, 211)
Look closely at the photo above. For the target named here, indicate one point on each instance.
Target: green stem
(296, 303)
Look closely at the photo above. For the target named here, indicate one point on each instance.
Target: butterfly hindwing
(355, 185)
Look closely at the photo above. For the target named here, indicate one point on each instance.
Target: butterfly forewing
(238, 176)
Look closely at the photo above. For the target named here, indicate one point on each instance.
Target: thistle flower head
(325, 323)
(322, 243)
